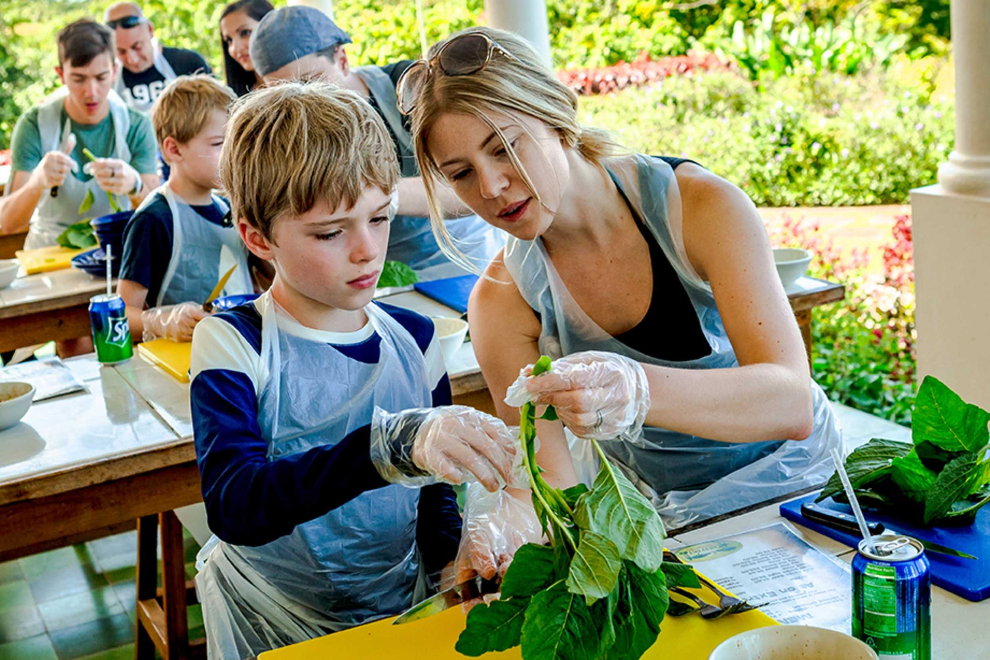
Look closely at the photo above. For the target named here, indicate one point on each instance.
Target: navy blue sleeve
(148, 248)
(249, 500)
(438, 527)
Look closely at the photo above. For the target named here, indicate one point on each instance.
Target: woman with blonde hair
(649, 280)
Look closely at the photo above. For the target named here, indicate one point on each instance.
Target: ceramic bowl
(15, 399)
(451, 333)
(8, 271)
(792, 264)
(792, 643)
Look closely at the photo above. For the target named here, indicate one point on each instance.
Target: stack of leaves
(77, 236)
(88, 200)
(599, 590)
(941, 478)
(396, 273)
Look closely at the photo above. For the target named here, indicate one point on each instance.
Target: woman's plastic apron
(54, 214)
(358, 562)
(689, 478)
(202, 251)
(411, 238)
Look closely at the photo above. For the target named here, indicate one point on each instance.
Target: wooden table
(46, 307)
(808, 293)
(11, 243)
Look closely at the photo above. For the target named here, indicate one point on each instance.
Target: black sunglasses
(126, 22)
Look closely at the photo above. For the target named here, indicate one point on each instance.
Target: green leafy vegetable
(87, 202)
(114, 206)
(77, 236)
(599, 590)
(943, 477)
(396, 273)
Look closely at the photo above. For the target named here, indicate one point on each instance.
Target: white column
(326, 6)
(527, 18)
(968, 168)
(951, 226)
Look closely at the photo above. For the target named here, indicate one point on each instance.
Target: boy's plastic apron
(202, 251)
(689, 478)
(411, 238)
(54, 214)
(358, 562)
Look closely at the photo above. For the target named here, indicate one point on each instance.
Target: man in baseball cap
(302, 43)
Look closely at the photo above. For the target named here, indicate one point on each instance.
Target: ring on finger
(601, 420)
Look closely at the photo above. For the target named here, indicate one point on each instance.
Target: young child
(180, 241)
(307, 402)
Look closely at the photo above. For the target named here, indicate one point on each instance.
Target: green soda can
(111, 332)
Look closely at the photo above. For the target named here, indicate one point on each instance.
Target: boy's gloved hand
(450, 443)
(495, 526)
(113, 175)
(175, 322)
(596, 394)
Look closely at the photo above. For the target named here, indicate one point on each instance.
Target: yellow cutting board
(173, 357)
(43, 260)
(687, 637)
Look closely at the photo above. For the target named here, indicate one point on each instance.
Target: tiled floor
(78, 602)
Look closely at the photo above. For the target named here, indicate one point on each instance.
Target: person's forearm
(135, 322)
(413, 201)
(743, 404)
(149, 182)
(17, 208)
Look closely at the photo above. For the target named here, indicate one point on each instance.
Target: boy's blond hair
(293, 145)
(184, 106)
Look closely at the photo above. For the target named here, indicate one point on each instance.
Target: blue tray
(450, 291)
(94, 262)
(968, 578)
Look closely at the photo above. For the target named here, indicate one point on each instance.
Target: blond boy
(180, 240)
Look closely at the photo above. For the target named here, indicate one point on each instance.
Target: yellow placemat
(687, 637)
(46, 259)
(172, 357)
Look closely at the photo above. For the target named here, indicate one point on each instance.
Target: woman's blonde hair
(292, 145)
(524, 85)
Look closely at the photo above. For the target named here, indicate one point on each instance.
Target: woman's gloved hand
(495, 526)
(453, 444)
(175, 322)
(596, 394)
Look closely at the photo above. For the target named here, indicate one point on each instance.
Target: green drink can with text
(111, 331)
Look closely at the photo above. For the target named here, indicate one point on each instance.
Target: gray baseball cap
(286, 34)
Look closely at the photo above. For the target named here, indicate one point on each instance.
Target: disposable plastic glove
(113, 175)
(596, 394)
(495, 526)
(175, 322)
(453, 444)
(55, 166)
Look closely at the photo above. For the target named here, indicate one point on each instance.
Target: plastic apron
(358, 562)
(202, 252)
(411, 238)
(688, 478)
(163, 67)
(54, 214)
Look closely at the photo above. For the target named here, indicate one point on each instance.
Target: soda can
(892, 598)
(111, 332)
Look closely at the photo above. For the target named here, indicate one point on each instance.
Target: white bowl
(8, 271)
(451, 333)
(15, 399)
(792, 264)
(792, 643)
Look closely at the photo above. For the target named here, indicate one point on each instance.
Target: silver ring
(112, 172)
(601, 420)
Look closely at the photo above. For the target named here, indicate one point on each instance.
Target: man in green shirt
(50, 175)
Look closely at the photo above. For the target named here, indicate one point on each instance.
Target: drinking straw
(109, 257)
(853, 502)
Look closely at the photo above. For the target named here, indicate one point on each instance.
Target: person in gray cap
(302, 43)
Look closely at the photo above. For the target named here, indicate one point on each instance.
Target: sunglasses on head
(126, 22)
(461, 56)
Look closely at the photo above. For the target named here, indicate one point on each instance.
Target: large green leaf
(495, 627)
(953, 484)
(594, 567)
(620, 513)
(912, 477)
(944, 419)
(640, 608)
(867, 464)
(560, 626)
(933, 456)
(87, 202)
(531, 571)
(572, 494)
(680, 575)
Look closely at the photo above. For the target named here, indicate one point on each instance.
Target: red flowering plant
(642, 71)
(863, 348)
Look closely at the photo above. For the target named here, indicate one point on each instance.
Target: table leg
(146, 578)
(804, 324)
(174, 588)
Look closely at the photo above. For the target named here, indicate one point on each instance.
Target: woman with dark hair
(237, 22)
